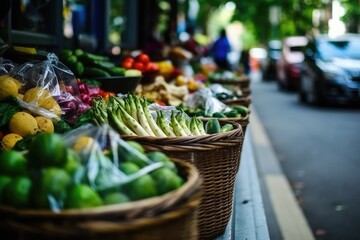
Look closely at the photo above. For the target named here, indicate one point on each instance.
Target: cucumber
(232, 114)
(76, 67)
(212, 126)
(218, 115)
(242, 110)
(116, 71)
(93, 72)
(226, 128)
(66, 53)
(78, 52)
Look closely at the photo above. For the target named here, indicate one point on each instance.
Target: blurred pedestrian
(245, 61)
(220, 50)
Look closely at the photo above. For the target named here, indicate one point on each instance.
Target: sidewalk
(264, 205)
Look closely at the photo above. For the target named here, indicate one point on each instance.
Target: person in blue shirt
(220, 50)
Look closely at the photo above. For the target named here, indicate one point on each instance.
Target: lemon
(83, 143)
(9, 141)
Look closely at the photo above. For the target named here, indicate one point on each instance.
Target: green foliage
(255, 16)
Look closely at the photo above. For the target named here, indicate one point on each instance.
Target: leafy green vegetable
(23, 144)
(62, 127)
(86, 117)
(7, 109)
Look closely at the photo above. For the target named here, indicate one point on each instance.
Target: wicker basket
(241, 82)
(171, 216)
(217, 156)
(244, 101)
(243, 121)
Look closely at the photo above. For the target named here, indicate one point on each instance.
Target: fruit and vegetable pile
(50, 156)
(81, 170)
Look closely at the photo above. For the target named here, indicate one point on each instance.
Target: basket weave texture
(217, 157)
(243, 121)
(171, 216)
(242, 82)
(244, 101)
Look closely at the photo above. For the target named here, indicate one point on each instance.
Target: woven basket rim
(130, 209)
(229, 118)
(239, 80)
(201, 142)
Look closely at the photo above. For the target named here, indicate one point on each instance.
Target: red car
(288, 66)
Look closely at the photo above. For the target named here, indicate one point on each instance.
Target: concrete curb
(288, 214)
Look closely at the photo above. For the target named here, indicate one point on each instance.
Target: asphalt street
(318, 150)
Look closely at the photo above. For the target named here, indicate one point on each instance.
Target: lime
(128, 168)
(143, 187)
(52, 182)
(157, 156)
(47, 149)
(114, 198)
(132, 155)
(166, 180)
(4, 180)
(136, 145)
(73, 161)
(13, 163)
(16, 192)
(82, 196)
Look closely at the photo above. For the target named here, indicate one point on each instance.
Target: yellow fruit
(17, 82)
(7, 88)
(180, 80)
(23, 124)
(44, 124)
(20, 96)
(42, 98)
(56, 109)
(83, 143)
(9, 141)
(37, 95)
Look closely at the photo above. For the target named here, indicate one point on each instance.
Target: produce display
(229, 112)
(131, 116)
(88, 65)
(86, 169)
(162, 91)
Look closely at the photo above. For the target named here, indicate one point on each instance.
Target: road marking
(291, 220)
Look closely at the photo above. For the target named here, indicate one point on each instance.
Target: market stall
(135, 147)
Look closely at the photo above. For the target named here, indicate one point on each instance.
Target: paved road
(319, 151)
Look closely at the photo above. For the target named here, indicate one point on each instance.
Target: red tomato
(138, 65)
(106, 95)
(152, 67)
(127, 62)
(143, 58)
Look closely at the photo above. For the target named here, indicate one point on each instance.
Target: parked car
(288, 65)
(331, 70)
(274, 53)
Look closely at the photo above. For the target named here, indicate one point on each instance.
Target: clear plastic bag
(53, 77)
(6, 66)
(103, 155)
(203, 98)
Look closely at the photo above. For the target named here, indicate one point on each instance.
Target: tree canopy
(295, 16)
